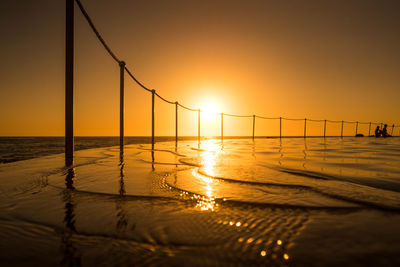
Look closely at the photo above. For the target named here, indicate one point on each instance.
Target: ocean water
(22, 148)
(289, 202)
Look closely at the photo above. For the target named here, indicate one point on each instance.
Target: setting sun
(210, 111)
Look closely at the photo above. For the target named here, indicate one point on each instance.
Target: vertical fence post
(176, 121)
(254, 124)
(356, 128)
(341, 132)
(324, 128)
(369, 129)
(198, 127)
(391, 133)
(69, 83)
(121, 104)
(280, 127)
(305, 128)
(222, 126)
(153, 92)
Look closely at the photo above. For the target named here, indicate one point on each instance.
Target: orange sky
(316, 59)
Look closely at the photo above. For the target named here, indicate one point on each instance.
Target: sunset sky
(298, 59)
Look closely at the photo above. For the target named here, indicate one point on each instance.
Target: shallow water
(241, 202)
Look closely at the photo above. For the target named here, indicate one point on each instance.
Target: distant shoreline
(17, 148)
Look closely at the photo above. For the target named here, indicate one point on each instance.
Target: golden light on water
(263, 253)
(250, 240)
(209, 157)
(208, 160)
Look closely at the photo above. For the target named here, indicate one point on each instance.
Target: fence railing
(124, 68)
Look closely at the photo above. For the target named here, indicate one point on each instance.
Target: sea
(233, 202)
(21, 148)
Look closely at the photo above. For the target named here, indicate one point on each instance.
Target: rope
(266, 118)
(238, 116)
(165, 100)
(191, 109)
(110, 52)
(139, 83)
(96, 32)
(292, 119)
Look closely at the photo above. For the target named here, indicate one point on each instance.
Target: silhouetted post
(305, 128)
(324, 128)
(369, 129)
(121, 104)
(69, 83)
(198, 127)
(391, 133)
(280, 127)
(356, 128)
(222, 126)
(176, 122)
(341, 132)
(153, 92)
(254, 124)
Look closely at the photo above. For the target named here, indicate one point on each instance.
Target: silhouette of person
(377, 131)
(384, 131)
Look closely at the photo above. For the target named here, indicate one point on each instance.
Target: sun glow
(209, 111)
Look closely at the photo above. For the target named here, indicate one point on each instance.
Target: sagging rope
(85, 14)
(111, 53)
(238, 116)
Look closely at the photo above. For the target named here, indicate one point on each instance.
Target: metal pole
(176, 122)
(280, 127)
(121, 104)
(69, 83)
(305, 128)
(356, 128)
(369, 129)
(222, 126)
(153, 92)
(341, 133)
(198, 127)
(324, 128)
(254, 124)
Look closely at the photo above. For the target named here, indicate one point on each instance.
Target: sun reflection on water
(208, 161)
(209, 157)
